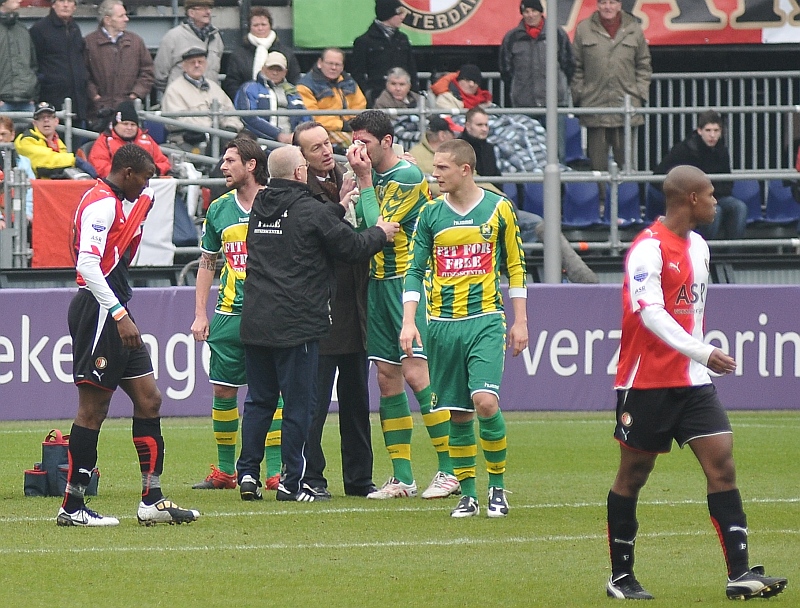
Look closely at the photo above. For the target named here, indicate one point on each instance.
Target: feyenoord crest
(435, 16)
(100, 363)
(626, 419)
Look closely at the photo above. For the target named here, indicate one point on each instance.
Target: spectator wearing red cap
(125, 129)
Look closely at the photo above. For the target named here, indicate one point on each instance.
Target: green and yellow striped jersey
(464, 254)
(401, 192)
(225, 230)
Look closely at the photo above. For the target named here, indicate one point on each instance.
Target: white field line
(433, 508)
(449, 542)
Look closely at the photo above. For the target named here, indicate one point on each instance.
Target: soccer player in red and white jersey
(664, 391)
(107, 347)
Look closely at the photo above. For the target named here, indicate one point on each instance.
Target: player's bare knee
(486, 404)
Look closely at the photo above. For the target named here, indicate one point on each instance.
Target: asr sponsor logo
(450, 16)
(691, 294)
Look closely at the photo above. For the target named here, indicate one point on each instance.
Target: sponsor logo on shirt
(97, 227)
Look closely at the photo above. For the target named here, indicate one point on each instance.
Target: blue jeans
(271, 372)
(527, 222)
(16, 106)
(729, 221)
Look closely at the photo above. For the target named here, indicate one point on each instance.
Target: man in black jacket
(345, 348)
(706, 150)
(382, 47)
(292, 241)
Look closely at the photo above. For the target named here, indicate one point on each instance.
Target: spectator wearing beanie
(523, 63)
(382, 47)
(461, 89)
(124, 129)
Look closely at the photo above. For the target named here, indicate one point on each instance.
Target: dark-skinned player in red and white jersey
(664, 391)
(106, 343)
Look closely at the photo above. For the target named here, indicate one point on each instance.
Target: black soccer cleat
(754, 583)
(626, 587)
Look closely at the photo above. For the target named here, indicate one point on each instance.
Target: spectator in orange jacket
(124, 130)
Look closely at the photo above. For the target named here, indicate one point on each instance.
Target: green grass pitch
(550, 551)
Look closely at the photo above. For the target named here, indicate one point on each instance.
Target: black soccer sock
(150, 448)
(622, 528)
(82, 459)
(729, 519)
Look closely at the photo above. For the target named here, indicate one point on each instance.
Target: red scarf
(481, 96)
(612, 27)
(534, 32)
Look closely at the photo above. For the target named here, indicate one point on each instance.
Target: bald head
(681, 182)
(284, 163)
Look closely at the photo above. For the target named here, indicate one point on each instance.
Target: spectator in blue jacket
(271, 91)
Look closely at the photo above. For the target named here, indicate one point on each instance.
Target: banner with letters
(323, 23)
(569, 365)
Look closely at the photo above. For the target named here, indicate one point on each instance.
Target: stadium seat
(156, 130)
(629, 211)
(749, 192)
(534, 198)
(573, 144)
(781, 206)
(580, 205)
(654, 203)
(512, 193)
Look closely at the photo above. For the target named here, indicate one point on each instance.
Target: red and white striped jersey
(108, 230)
(663, 304)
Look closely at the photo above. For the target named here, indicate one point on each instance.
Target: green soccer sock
(493, 443)
(438, 426)
(272, 448)
(396, 424)
(463, 454)
(225, 421)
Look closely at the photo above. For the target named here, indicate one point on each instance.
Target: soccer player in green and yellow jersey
(244, 166)
(396, 190)
(461, 240)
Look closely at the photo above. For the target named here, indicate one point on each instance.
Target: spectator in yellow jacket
(43, 147)
(328, 87)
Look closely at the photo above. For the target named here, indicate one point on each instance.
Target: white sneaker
(165, 512)
(84, 517)
(442, 486)
(498, 503)
(394, 488)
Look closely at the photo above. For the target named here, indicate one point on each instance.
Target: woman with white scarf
(246, 62)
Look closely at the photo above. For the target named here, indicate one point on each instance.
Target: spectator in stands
(246, 61)
(461, 89)
(7, 134)
(271, 91)
(18, 65)
(436, 134)
(48, 155)
(476, 133)
(328, 87)
(381, 47)
(195, 32)
(193, 92)
(398, 93)
(59, 50)
(120, 66)
(705, 149)
(523, 63)
(125, 129)
(611, 60)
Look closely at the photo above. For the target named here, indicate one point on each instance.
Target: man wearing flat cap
(437, 132)
(195, 32)
(124, 129)
(195, 92)
(382, 47)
